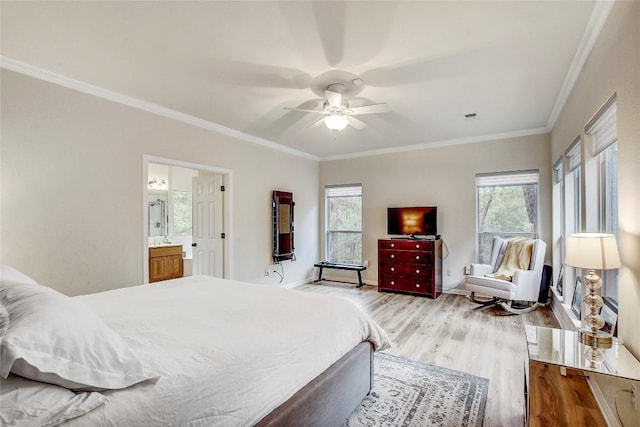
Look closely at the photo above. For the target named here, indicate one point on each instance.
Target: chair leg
(472, 298)
(508, 306)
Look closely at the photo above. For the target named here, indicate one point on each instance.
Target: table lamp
(593, 251)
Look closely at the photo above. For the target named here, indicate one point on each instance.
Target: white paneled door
(207, 226)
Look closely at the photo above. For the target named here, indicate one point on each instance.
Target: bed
(222, 352)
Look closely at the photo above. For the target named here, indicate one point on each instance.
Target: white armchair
(524, 286)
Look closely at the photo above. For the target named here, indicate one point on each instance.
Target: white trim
(597, 20)
(59, 79)
(227, 215)
(436, 144)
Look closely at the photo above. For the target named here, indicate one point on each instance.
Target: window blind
(574, 154)
(507, 178)
(558, 171)
(603, 128)
(350, 190)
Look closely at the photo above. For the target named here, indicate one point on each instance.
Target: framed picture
(609, 313)
(559, 283)
(576, 302)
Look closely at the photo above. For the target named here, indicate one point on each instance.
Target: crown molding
(599, 16)
(59, 79)
(437, 144)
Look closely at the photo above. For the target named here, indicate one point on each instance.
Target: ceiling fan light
(336, 122)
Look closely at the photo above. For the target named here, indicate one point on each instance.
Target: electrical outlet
(467, 269)
(634, 396)
(449, 272)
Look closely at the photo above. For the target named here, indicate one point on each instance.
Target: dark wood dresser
(410, 266)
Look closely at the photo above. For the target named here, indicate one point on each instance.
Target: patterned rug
(409, 393)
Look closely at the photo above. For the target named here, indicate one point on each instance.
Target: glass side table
(569, 384)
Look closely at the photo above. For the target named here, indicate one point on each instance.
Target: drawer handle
(417, 246)
(417, 285)
(393, 256)
(393, 283)
(393, 245)
(393, 269)
(417, 271)
(417, 256)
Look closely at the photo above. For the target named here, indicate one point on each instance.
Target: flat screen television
(412, 221)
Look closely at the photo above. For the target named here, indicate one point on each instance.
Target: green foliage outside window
(506, 211)
(345, 229)
(182, 213)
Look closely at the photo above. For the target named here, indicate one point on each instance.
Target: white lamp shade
(596, 251)
(336, 121)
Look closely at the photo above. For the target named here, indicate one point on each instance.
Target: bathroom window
(182, 213)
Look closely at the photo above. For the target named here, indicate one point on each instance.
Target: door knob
(194, 244)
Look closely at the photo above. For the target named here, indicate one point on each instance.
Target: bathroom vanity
(165, 262)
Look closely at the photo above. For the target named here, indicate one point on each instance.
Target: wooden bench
(351, 267)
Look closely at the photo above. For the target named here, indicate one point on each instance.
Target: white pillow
(30, 403)
(56, 339)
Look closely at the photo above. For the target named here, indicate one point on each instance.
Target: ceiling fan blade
(358, 124)
(334, 98)
(304, 110)
(383, 107)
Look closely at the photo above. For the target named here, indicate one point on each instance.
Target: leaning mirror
(283, 247)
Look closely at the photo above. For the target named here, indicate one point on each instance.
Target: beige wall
(614, 66)
(444, 177)
(72, 186)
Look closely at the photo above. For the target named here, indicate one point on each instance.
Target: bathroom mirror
(283, 247)
(157, 218)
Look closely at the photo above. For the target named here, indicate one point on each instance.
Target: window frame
(505, 179)
(337, 191)
(603, 134)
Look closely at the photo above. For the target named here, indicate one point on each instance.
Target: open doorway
(187, 208)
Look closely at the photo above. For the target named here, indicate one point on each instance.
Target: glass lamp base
(595, 339)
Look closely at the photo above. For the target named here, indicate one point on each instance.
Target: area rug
(409, 393)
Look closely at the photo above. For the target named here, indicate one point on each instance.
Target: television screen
(410, 221)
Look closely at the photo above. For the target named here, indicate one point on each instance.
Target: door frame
(227, 220)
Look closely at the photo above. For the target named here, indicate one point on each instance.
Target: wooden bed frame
(331, 397)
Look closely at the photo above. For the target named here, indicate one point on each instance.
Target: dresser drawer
(406, 245)
(414, 257)
(405, 270)
(403, 284)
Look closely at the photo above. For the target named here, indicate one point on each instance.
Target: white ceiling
(236, 65)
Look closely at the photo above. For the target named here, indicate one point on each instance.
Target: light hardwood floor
(455, 333)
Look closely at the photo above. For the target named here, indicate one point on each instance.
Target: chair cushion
(502, 285)
(516, 257)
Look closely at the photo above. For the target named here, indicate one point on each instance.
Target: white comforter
(228, 353)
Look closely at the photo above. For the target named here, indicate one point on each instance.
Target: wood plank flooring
(455, 333)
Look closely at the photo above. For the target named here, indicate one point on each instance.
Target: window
(601, 185)
(573, 189)
(507, 207)
(182, 212)
(558, 221)
(343, 224)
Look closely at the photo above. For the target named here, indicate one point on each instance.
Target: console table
(565, 385)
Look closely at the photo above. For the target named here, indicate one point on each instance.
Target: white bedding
(227, 352)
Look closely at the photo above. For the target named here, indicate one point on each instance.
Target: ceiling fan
(337, 113)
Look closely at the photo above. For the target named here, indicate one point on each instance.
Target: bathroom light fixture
(336, 122)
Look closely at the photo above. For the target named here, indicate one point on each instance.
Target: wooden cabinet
(165, 262)
(410, 266)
